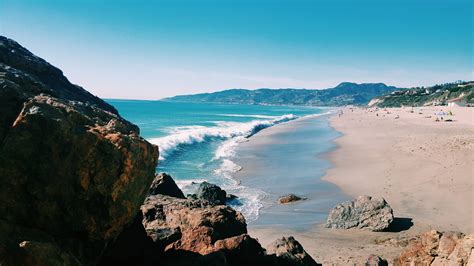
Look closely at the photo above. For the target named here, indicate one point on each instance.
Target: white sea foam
(189, 186)
(226, 130)
(250, 116)
(250, 199)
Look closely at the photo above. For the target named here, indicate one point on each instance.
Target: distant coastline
(346, 93)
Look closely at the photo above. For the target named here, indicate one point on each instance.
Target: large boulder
(70, 166)
(437, 248)
(212, 193)
(192, 225)
(365, 212)
(289, 252)
(164, 184)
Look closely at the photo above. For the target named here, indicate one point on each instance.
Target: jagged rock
(163, 184)
(34, 75)
(436, 248)
(201, 224)
(212, 193)
(289, 198)
(242, 250)
(363, 213)
(70, 166)
(288, 251)
(374, 260)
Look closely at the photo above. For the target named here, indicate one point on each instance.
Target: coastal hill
(459, 93)
(346, 93)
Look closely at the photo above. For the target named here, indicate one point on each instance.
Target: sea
(198, 141)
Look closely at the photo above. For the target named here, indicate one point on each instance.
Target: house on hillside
(455, 103)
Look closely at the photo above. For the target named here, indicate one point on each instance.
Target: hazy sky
(145, 49)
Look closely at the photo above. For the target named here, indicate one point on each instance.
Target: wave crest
(225, 130)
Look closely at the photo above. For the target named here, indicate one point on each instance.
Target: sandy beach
(423, 168)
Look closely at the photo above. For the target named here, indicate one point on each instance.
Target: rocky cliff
(73, 172)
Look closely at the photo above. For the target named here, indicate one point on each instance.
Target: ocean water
(198, 141)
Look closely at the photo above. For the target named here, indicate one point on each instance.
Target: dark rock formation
(288, 251)
(165, 185)
(212, 193)
(35, 76)
(289, 198)
(436, 248)
(176, 231)
(242, 250)
(374, 260)
(363, 213)
(73, 172)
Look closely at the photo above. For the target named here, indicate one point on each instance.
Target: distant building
(456, 104)
(465, 85)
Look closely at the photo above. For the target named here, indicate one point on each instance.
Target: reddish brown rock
(199, 223)
(70, 166)
(242, 250)
(436, 248)
(289, 198)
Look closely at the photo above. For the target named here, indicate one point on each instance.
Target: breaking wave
(223, 130)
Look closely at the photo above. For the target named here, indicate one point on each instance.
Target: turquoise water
(198, 141)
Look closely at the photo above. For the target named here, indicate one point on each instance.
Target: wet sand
(423, 168)
(289, 158)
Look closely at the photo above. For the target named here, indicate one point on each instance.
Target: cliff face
(73, 172)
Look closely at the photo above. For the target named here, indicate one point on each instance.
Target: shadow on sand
(400, 224)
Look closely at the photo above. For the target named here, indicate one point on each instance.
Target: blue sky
(145, 49)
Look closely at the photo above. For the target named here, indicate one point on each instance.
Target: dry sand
(423, 168)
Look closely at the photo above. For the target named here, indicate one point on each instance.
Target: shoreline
(413, 161)
(414, 189)
(290, 158)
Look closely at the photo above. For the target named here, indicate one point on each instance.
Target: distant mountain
(460, 92)
(343, 94)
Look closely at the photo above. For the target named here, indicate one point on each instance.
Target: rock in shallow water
(289, 198)
(365, 212)
(212, 193)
